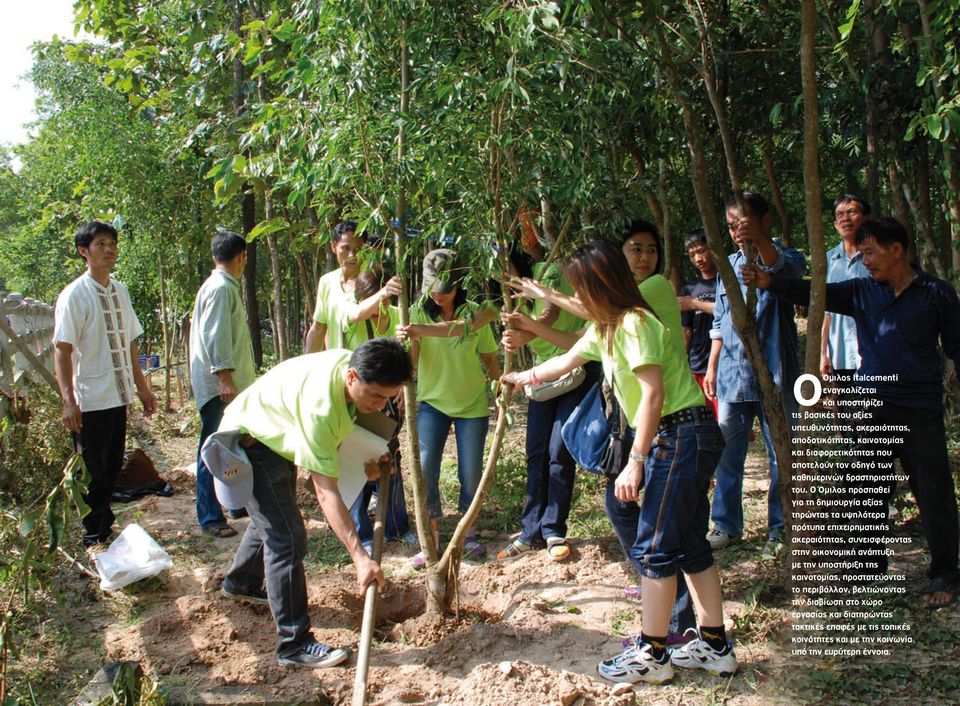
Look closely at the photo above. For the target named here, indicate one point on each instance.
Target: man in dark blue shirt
(901, 314)
(696, 301)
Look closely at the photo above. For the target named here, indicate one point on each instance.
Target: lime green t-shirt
(357, 333)
(543, 349)
(641, 340)
(450, 376)
(299, 410)
(659, 294)
(330, 297)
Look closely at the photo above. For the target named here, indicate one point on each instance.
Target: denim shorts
(675, 508)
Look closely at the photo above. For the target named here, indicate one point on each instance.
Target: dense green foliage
(279, 118)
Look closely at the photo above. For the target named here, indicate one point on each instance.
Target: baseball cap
(440, 271)
(230, 467)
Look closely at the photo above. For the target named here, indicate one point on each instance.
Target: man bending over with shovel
(297, 415)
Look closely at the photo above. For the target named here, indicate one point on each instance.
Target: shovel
(370, 600)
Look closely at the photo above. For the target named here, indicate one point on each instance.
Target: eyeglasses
(848, 213)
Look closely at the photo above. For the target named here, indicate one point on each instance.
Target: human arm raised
(531, 289)
(546, 371)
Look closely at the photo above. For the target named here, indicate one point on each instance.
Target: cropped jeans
(433, 427)
(666, 531)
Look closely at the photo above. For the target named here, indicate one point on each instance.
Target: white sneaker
(718, 539)
(634, 664)
(697, 654)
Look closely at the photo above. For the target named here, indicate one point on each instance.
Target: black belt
(690, 415)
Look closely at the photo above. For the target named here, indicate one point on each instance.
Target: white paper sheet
(358, 448)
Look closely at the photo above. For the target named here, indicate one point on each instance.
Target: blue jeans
(550, 467)
(667, 529)
(397, 521)
(208, 507)
(272, 549)
(433, 427)
(736, 421)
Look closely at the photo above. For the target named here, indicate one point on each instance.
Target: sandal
(942, 585)
(558, 549)
(220, 530)
(472, 549)
(513, 550)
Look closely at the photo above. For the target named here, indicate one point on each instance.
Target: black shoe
(259, 596)
(237, 514)
(315, 654)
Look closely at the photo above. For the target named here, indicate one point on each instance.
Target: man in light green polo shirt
(297, 415)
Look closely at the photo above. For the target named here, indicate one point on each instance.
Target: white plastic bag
(132, 556)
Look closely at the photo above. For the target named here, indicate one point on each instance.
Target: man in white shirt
(221, 360)
(96, 363)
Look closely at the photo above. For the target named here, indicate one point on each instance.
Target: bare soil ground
(529, 631)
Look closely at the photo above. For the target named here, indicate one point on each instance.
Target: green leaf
(267, 227)
(847, 27)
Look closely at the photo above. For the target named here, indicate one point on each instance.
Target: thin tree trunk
(309, 287)
(929, 253)
(771, 398)
(778, 204)
(811, 187)
(950, 166)
(250, 277)
(164, 332)
(436, 583)
(279, 310)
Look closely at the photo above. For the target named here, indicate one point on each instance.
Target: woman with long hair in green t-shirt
(676, 446)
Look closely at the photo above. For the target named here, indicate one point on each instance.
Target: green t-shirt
(330, 298)
(299, 410)
(641, 340)
(542, 349)
(450, 376)
(659, 294)
(357, 333)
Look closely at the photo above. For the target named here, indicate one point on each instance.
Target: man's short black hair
(755, 203)
(89, 230)
(886, 231)
(859, 200)
(382, 361)
(344, 227)
(697, 237)
(226, 245)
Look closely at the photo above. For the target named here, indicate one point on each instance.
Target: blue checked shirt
(775, 327)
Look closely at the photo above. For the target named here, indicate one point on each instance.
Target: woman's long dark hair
(606, 287)
(459, 299)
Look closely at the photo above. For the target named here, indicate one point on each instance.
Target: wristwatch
(639, 458)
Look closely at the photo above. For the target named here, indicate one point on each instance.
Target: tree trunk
(308, 285)
(778, 204)
(279, 310)
(771, 398)
(165, 332)
(250, 277)
(436, 583)
(811, 186)
(927, 250)
(950, 166)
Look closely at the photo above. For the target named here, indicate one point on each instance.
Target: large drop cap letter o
(798, 394)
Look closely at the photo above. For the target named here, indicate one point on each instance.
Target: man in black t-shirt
(696, 304)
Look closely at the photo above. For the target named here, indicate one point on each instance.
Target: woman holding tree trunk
(676, 447)
(452, 373)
